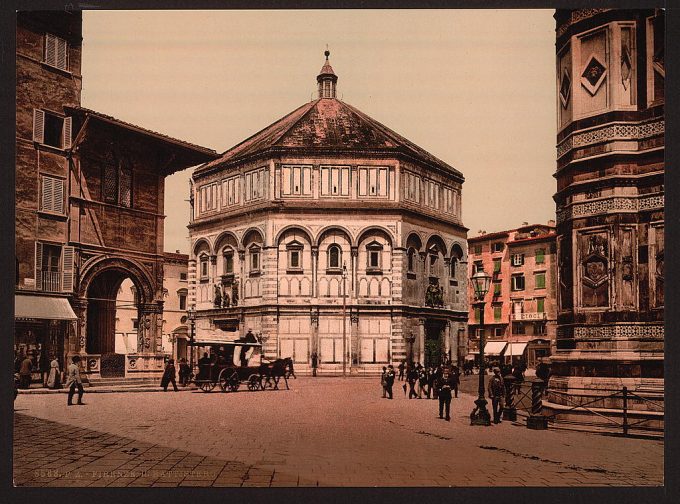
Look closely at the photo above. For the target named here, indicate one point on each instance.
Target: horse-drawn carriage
(229, 364)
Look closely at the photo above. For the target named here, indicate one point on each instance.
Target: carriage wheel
(234, 382)
(206, 385)
(253, 382)
(225, 374)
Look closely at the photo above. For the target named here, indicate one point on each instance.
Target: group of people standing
(440, 382)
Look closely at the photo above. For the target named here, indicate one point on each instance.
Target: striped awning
(515, 349)
(43, 308)
(494, 347)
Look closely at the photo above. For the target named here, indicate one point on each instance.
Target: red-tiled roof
(327, 125)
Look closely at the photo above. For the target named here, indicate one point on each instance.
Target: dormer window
(374, 253)
(294, 250)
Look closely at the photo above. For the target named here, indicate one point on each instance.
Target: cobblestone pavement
(324, 431)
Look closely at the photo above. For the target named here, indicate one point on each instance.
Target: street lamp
(344, 315)
(480, 283)
(192, 322)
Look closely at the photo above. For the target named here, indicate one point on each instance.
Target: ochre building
(520, 314)
(324, 202)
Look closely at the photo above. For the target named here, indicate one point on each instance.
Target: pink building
(520, 313)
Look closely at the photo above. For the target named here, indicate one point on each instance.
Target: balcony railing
(51, 281)
(529, 316)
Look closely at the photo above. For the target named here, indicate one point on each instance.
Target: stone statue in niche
(659, 272)
(595, 272)
(226, 300)
(234, 294)
(217, 296)
(564, 274)
(434, 296)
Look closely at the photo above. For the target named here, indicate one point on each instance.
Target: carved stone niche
(594, 251)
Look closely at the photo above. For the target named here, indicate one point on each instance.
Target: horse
(279, 368)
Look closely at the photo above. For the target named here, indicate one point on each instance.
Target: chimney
(525, 223)
(551, 222)
(177, 251)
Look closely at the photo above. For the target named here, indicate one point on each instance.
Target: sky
(476, 88)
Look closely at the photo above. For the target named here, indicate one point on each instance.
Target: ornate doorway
(434, 342)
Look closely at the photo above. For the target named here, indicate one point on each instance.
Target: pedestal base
(510, 414)
(537, 422)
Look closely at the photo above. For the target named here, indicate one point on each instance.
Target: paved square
(324, 431)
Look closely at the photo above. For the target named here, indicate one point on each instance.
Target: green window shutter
(540, 305)
(477, 315)
(540, 256)
(540, 281)
(496, 265)
(497, 289)
(497, 313)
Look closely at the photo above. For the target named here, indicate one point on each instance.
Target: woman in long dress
(54, 380)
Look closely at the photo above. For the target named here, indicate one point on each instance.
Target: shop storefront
(41, 332)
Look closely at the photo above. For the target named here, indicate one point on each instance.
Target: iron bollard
(537, 421)
(509, 411)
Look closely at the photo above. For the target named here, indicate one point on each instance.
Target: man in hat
(496, 389)
(74, 381)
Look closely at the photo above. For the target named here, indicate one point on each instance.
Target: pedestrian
(456, 380)
(401, 370)
(431, 374)
(412, 378)
(518, 373)
(25, 370)
(204, 364)
(422, 380)
(54, 378)
(383, 381)
(74, 381)
(496, 391)
(169, 376)
(184, 372)
(444, 385)
(389, 380)
(315, 363)
(543, 370)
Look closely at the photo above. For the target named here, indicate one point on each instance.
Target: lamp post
(344, 314)
(480, 283)
(192, 322)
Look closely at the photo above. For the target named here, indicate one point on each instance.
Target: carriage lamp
(480, 283)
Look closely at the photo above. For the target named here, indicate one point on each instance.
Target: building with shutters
(610, 206)
(89, 209)
(520, 315)
(327, 201)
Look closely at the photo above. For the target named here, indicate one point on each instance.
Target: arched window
(228, 263)
(456, 256)
(411, 256)
(334, 257)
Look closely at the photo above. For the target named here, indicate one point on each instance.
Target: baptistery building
(330, 237)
